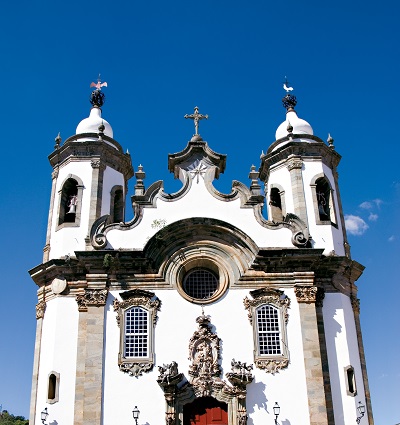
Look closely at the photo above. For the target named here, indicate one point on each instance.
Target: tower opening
(68, 202)
(275, 203)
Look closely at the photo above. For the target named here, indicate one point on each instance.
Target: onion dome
(94, 120)
(298, 125)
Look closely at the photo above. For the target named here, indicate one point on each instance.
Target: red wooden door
(205, 411)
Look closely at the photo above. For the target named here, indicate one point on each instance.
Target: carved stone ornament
(147, 300)
(95, 163)
(277, 299)
(40, 309)
(54, 174)
(205, 377)
(295, 163)
(306, 294)
(91, 297)
(267, 296)
(137, 297)
(135, 369)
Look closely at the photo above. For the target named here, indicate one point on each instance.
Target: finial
(97, 97)
(196, 117)
(289, 101)
(140, 176)
(289, 128)
(330, 141)
(101, 127)
(253, 176)
(58, 141)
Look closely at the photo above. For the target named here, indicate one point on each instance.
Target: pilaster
(355, 302)
(295, 165)
(306, 297)
(40, 309)
(96, 191)
(89, 369)
(46, 249)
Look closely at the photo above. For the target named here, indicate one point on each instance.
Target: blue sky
(160, 60)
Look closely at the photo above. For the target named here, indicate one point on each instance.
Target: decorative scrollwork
(289, 101)
(135, 369)
(300, 234)
(97, 237)
(272, 365)
(97, 98)
(93, 297)
(306, 294)
(40, 309)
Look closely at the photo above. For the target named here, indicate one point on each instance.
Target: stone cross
(196, 117)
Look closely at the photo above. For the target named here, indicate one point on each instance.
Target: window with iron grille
(268, 330)
(136, 332)
(200, 284)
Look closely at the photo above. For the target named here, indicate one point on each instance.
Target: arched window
(268, 330)
(267, 312)
(136, 341)
(53, 387)
(70, 203)
(275, 204)
(323, 200)
(136, 316)
(117, 204)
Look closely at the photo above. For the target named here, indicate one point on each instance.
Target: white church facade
(199, 310)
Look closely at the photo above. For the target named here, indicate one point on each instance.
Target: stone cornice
(96, 150)
(298, 149)
(194, 148)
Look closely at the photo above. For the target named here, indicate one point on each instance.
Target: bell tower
(89, 179)
(300, 176)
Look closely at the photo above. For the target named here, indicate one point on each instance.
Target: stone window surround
(280, 301)
(56, 388)
(135, 366)
(313, 186)
(282, 195)
(80, 188)
(347, 370)
(112, 201)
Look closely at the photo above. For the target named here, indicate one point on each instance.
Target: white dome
(92, 122)
(299, 126)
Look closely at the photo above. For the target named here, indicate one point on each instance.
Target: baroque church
(207, 307)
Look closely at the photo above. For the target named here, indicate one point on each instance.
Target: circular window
(200, 284)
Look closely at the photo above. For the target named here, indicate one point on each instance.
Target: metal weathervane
(286, 86)
(99, 84)
(97, 97)
(196, 117)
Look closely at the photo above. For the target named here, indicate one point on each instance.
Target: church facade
(200, 310)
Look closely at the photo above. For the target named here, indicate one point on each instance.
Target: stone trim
(40, 309)
(96, 190)
(136, 366)
(35, 372)
(295, 167)
(46, 249)
(331, 201)
(205, 378)
(91, 297)
(77, 221)
(55, 399)
(276, 298)
(306, 294)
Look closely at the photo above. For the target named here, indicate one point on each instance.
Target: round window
(200, 284)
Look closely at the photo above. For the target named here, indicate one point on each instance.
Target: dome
(92, 122)
(299, 126)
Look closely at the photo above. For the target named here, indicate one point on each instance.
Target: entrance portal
(205, 411)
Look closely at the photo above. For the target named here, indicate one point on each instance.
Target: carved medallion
(306, 294)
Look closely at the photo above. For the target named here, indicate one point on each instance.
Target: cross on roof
(196, 117)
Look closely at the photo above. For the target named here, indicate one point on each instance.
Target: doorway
(205, 411)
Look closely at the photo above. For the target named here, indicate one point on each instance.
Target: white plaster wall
(325, 236)
(281, 175)
(69, 239)
(198, 202)
(111, 178)
(342, 348)
(175, 327)
(58, 353)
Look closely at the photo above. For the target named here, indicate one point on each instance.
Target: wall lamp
(43, 415)
(136, 413)
(361, 411)
(277, 410)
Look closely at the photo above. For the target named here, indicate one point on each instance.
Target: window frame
(113, 195)
(275, 298)
(61, 208)
(56, 389)
(137, 365)
(331, 201)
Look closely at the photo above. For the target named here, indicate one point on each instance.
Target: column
(295, 165)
